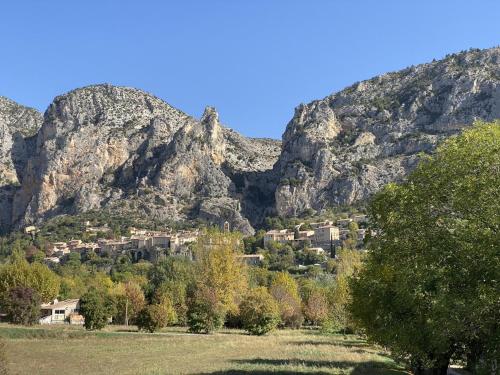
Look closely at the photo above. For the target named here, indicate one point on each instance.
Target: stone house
(325, 235)
(251, 259)
(281, 236)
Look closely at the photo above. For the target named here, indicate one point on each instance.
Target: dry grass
(73, 351)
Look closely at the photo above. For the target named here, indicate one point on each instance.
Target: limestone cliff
(343, 148)
(125, 150)
(18, 125)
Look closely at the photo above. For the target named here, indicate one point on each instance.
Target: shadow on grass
(278, 366)
(259, 372)
(345, 343)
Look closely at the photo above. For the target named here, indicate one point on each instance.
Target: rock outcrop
(343, 148)
(18, 126)
(127, 151)
(123, 149)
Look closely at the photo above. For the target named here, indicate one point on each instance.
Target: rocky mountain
(127, 151)
(18, 126)
(343, 148)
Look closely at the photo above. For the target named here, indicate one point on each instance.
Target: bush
(154, 317)
(205, 312)
(259, 312)
(22, 305)
(97, 307)
(174, 292)
(316, 307)
(285, 291)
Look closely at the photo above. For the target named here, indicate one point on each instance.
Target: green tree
(22, 305)
(129, 302)
(36, 276)
(259, 312)
(206, 313)
(97, 307)
(430, 288)
(176, 292)
(339, 297)
(38, 256)
(155, 317)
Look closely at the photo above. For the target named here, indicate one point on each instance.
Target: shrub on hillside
(259, 312)
(22, 305)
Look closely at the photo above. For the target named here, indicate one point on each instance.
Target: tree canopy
(430, 287)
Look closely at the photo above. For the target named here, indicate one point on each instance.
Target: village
(321, 238)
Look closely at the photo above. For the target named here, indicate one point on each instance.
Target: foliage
(154, 317)
(316, 307)
(430, 287)
(36, 276)
(206, 312)
(279, 257)
(285, 291)
(259, 312)
(96, 306)
(129, 301)
(22, 305)
(176, 292)
(218, 269)
(340, 319)
(253, 243)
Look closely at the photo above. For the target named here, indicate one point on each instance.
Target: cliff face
(18, 125)
(123, 149)
(343, 148)
(128, 151)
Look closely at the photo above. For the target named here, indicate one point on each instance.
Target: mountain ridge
(121, 148)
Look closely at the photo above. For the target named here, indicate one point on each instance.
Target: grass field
(70, 350)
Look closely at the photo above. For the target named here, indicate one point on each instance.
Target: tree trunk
(440, 368)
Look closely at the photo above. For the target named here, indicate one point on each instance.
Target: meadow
(119, 350)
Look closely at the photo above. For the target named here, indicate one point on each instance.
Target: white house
(59, 312)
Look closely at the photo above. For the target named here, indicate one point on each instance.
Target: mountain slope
(123, 149)
(18, 125)
(343, 148)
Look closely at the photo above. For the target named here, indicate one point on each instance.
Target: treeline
(214, 290)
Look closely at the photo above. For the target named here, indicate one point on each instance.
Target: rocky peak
(18, 124)
(341, 149)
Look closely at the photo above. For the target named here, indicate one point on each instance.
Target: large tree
(430, 289)
(36, 276)
(219, 269)
(97, 306)
(22, 305)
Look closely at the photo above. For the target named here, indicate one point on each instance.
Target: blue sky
(254, 60)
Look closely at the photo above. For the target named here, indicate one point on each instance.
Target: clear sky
(254, 60)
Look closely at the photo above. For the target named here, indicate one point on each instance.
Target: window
(57, 312)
